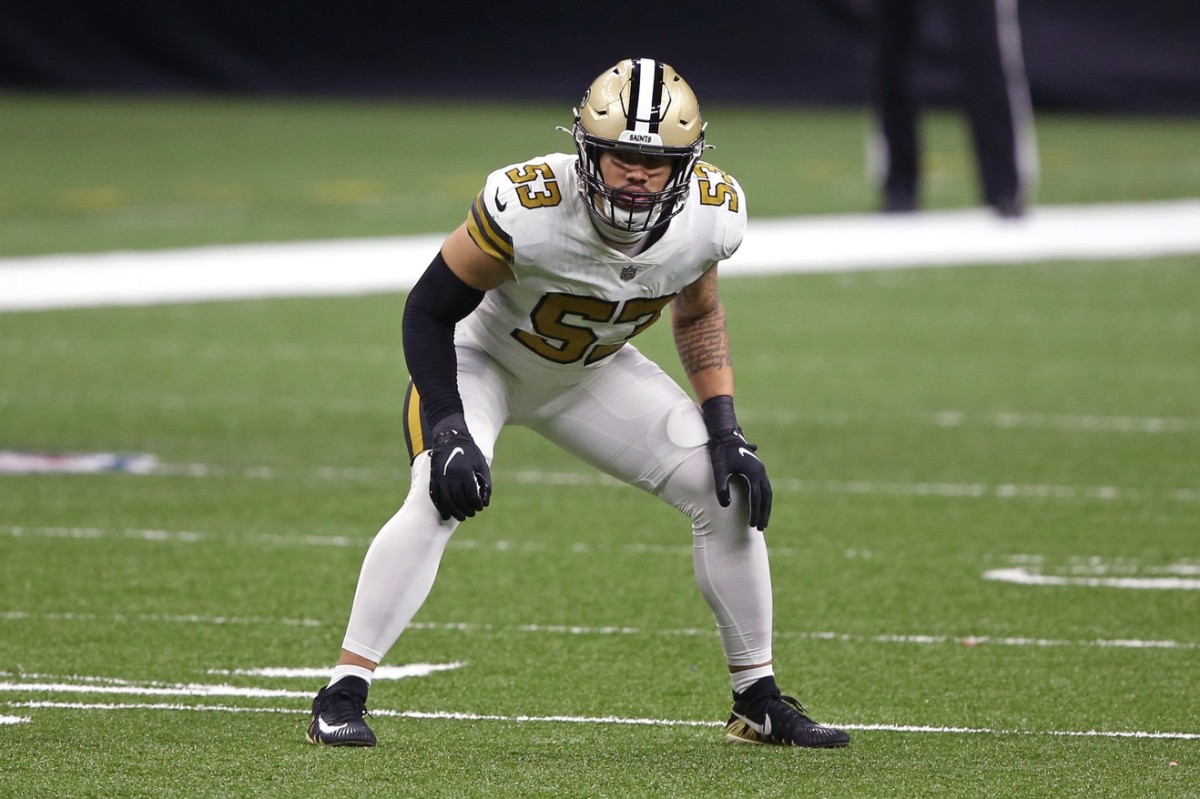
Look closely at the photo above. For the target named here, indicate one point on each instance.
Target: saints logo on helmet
(638, 106)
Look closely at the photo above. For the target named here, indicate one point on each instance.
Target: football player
(525, 317)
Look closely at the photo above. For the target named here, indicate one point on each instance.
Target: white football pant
(630, 420)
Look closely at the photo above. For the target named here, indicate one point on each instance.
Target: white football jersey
(575, 299)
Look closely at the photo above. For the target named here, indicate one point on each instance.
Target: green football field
(985, 543)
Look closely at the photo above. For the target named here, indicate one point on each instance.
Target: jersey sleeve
(721, 196)
(736, 230)
(484, 221)
(519, 203)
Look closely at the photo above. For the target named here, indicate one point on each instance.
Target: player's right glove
(733, 456)
(460, 482)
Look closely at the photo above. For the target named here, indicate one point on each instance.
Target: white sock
(340, 672)
(744, 679)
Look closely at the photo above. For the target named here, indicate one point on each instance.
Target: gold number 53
(563, 340)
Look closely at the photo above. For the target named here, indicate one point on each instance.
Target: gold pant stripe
(414, 422)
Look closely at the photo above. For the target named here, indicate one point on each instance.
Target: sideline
(825, 243)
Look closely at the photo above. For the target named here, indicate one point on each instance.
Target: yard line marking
(944, 490)
(38, 462)
(39, 705)
(180, 536)
(186, 618)
(192, 689)
(1177, 736)
(1005, 420)
(14, 720)
(381, 673)
(615, 720)
(941, 490)
(501, 545)
(928, 640)
(568, 629)
(16, 462)
(1026, 577)
(88, 533)
(1014, 575)
(1083, 423)
(75, 678)
(979, 640)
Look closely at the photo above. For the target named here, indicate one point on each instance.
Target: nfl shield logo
(629, 272)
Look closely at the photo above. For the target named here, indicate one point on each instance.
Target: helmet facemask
(633, 211)
(640, 107)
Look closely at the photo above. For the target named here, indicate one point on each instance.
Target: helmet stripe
(645, 95)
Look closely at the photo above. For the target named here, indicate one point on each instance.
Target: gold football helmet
(641, 106)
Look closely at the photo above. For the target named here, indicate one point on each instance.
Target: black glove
(460, 483)
(733, 456)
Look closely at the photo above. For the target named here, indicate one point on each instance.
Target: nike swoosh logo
(499, 205)
(744, 452)
(761, 729)
(454, 453)
(328, 729)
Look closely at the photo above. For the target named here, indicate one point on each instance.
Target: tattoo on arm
(698, 324)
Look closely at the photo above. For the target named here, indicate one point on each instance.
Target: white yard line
(1073, 423)
(944, 490)
(612, 720)
(822, 635)
(1023, 576)
(158, 618)
(404, 672)
(1004, 420)
(918, 639)
(825, 243)
(194, 689)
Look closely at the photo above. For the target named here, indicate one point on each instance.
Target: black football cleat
(762, 715)
(337, 715)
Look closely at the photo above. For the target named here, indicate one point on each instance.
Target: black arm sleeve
(435, 304)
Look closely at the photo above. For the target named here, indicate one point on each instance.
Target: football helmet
(639, 106)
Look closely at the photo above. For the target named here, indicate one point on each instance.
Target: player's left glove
(733, 456)
(460, 482)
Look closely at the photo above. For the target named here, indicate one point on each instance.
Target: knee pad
(691, 490)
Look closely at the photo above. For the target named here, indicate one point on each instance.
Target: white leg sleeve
(730, 560)
(400, 566)
(398, 570)
(634, 422)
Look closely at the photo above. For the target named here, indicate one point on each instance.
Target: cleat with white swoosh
(337, 715)
(762, 715)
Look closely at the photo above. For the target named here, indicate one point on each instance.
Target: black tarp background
(1090, 55)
